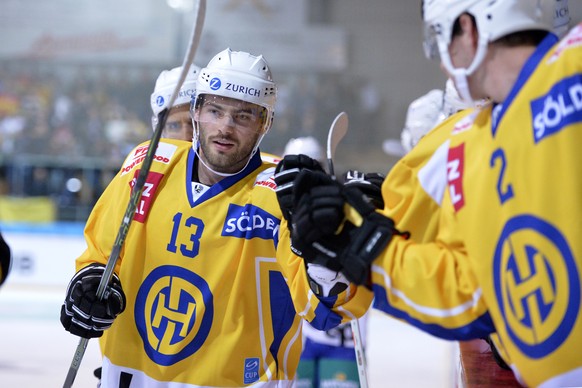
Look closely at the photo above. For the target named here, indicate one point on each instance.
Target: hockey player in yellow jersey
(507, 257)
(206, 292)
(178, 124)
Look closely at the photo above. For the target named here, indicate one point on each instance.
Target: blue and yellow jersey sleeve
(427, 280)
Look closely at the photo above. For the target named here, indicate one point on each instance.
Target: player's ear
(469, 29)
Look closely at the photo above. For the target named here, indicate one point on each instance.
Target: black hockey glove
(367, 240)
(285, 174)
(369, 183)
(82, 313)
(319, 203)
(5, 260)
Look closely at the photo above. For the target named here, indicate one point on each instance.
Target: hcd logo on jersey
(173, 313)
(251, 373)
(250, 221)
(537, 285)
(560, 107)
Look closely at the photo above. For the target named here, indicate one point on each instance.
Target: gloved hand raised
(323, 235)
(370, 184)
(285, 173)
(82, 313)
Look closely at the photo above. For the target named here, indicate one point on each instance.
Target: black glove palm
(82, 313)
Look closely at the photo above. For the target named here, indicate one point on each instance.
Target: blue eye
(173, 125)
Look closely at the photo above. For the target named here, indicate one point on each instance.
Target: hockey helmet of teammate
(493, 19)
(241, 76)
(307, 145)
(561, 18)
(165, 85)
(423, 114)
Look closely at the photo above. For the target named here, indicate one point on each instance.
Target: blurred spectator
(66, 116)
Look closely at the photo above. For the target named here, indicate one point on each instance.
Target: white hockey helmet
(307, 145)
(423, 114)
(165, 85)
(242, 76)
(561, 18)
(494, 19)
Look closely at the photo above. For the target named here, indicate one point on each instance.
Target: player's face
(179, 124)
(228, 131)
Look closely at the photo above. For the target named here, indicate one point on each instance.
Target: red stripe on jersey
(455, 168)
(147, 195)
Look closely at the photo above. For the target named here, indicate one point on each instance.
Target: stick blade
(338, 130)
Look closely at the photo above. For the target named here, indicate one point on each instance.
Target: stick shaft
(330, 167)
(337, 131)
(360, 355)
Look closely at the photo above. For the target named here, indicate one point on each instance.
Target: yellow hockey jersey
(214, 295)
(513, 216)
(404, 279)
(413, 190)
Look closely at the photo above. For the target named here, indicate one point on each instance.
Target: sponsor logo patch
(560, 107)
(265, 179)
(573, 39)
(215, 83)
(147, 195)
(251, 373)
(164, 154)
(465, 123)
(250, 222)
(455, 166)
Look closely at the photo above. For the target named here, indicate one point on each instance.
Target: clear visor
(226, 111)
(175, 121)
(430, 43)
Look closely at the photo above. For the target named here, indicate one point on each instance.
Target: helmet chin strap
(460, 75)
(196, 146)
(462, 86)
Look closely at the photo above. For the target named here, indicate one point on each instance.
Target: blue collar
(225, 183)
(531, 64)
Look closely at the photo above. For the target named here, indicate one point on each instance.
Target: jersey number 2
(505, 192)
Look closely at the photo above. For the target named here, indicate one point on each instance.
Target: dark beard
(225, 163)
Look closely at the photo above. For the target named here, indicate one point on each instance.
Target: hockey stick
(360, 356)
(336, 133)
(135, 196)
